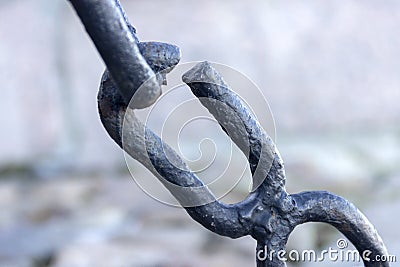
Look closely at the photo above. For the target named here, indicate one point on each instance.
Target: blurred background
(329, 70)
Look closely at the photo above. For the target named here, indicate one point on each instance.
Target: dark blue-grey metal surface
(268, 214)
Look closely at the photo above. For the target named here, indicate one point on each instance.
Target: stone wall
(323, 66)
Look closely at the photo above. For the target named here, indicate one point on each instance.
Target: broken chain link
(133, 79)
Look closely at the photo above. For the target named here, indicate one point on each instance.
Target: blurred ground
(328, 69)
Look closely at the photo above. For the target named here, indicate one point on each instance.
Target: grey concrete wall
(324, 66)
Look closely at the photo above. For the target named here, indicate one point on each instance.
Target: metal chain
(269, 214)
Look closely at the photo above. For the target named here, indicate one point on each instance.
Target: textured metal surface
(268, 214)
(116, 41)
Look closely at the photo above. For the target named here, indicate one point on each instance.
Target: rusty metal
(268, 214)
